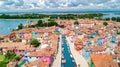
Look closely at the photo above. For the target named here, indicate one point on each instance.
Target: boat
(62, 49)
(71, 55)
(62, 56)
(73, 60)
(63, 60)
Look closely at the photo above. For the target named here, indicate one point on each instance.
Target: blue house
(34, 34)
(86, 54)
(99, 42)
(57, 31)
(92, 35)
(113, 39)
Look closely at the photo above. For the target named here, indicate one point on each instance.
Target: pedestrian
(119, 42)
(78, 65)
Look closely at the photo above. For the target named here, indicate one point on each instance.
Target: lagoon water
(110, 15)
(6, 26)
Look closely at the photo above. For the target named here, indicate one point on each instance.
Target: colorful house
(34, 34)
(99, 42)
(103, 60)
(86, 54)
(113, 39)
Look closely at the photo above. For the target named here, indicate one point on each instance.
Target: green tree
(51, 20)
(118, 32)
(91, 64)
(17, 58)
(62, 26)
(76, 22)
(35, 42)
(107, 19)
(52, 23)
(39, 23)
(114, 18)
(105, 23)
(32, 26)
(99, 18)
(20, 26)
(45, 24)
(9, 55)
(18, 40)
(118, 19)
(3, 64)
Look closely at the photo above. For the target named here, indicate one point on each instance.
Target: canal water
(22, 63)
(67, 54)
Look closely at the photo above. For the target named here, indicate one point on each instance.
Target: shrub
(76, 22)
(118, 33)
(20, 26)
(35, 42)
(18, 40)
(105, 23)
(17, 58)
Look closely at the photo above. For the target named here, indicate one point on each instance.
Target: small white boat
(8, 27)
(63, 61)
(71, 56)
(62, 56)
(62, 49)
(73, 60)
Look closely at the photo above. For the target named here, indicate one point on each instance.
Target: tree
(35, 42)
(18, 40)
(105, 23)
(99, 18)
(39, 23)
(3, 64)
(113, 18)
(45, 24)
(32, 26)
(107, 19)
(17, 58)
(20, 26)
(51, 20)
(76, 22)
(118, 32)
(91, 64)
(62, 26)
(52, 23)
(10, 55)
(118, 19)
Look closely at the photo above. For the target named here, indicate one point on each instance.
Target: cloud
(1, 3)
(19, 3)
(58, 4)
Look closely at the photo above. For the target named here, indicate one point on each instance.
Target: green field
(2, 57)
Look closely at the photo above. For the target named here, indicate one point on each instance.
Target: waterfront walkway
(57, 61)
(79, 59)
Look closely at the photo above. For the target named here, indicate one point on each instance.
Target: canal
(67, 58)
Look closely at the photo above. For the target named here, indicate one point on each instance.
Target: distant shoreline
(58, 12)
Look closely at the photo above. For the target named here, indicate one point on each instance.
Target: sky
(41, 5)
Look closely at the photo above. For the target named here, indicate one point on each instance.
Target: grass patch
(2, 57)
(6, 58)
